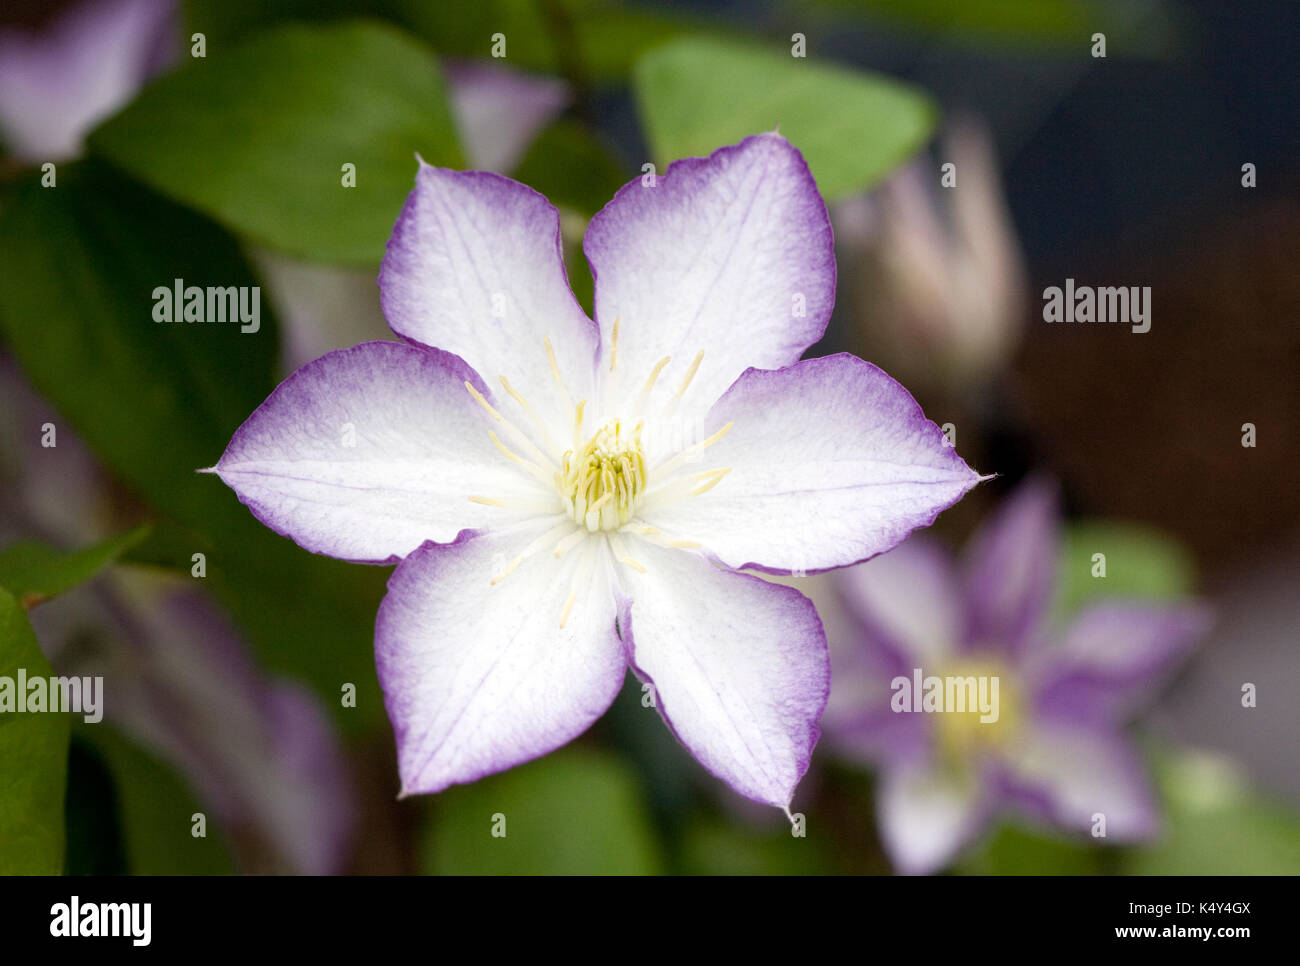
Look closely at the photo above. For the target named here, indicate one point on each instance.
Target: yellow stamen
(555, 371)
(650, 383)
(569, 542)
(478, 396)
(715, 479)
(690, 374)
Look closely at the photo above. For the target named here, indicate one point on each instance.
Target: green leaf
(1139, 563)
(569, 164)
(155, 806)
(1216, 824)
(33, 572)
(853, 128)
(1063, 25)
(33, 756)
(711, 847)
(1016, 851)
(588, 41)
(257, 136)
(574, 812)
(156, 401)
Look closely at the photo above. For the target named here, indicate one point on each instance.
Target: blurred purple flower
(56, 84)
(258, 751)
(499, 111)
(938, 288)
(1056, 753)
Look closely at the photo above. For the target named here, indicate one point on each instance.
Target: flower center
(601, 485)
(990, 715)
(602, 482)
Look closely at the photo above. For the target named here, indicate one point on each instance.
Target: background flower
(1054, 750)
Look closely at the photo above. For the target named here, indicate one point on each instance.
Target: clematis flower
(568, 498)
(1052, 748)
(56, 84)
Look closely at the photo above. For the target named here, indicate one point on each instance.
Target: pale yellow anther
(577, 422)
(509, 455)
(555, 371)
(569, 542)
(690, 374)
(716, 436)
(714, 479)
(650, 384)
(654, 374)
(508, 571)
(604, 479)
(514, 394)
(478, 396)
(613, 347)
(568, 607)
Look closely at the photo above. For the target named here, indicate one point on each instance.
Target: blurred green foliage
(154, 809)
(853, 128)
(1140, 562)
(33, 572)
(277, 118)
(572, 167)
(1216, 823)
(34, 750)
(158, 401)
(590, 42)
(573, 812)
(717, 846)
(1131, 29)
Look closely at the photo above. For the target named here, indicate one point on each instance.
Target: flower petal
(499, 111)
(1070, 776)
(739, 666)
(479, 677)
(368, 452)
(474, 267)
(908, 602)
(831, 462)
(1113, 654)
(906, 614)
(1010, 569)
(84, 65)
(927, 816)
(731, 254)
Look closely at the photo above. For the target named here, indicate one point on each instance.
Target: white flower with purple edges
(1053, 750)
(569, 498)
